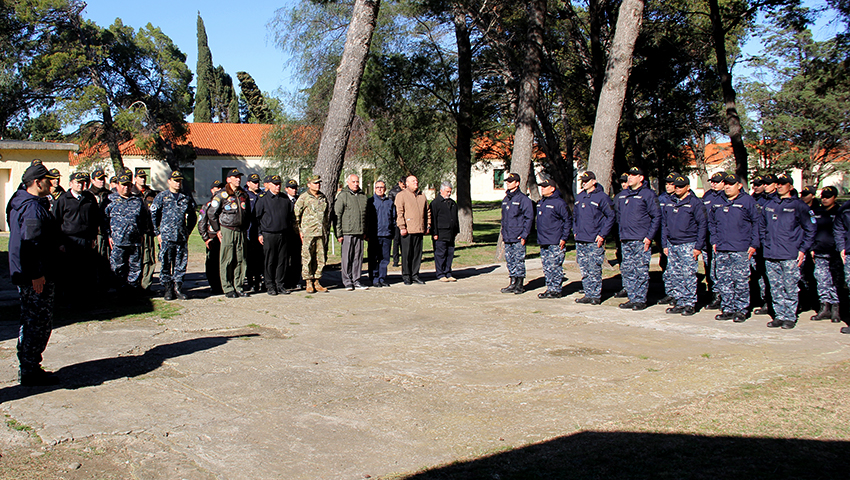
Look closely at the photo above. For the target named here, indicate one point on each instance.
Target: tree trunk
(613, 93)
(732, 119)
(523, 147)
(463, 154)
(344, 101)
(110, 136)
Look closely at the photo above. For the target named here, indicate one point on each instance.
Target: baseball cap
(731, 179)
(315, 179)
(275, 179)
(124, 179)
(98, 174)
(291, 183)
(681, 181)
(234, 173)
(255, 178)
(141, 173)
(624, 178)
(758, 181)
(53, 173)
(636, 171)
(717, 177)
(829, 192)
(546, 183)
(513, 177)
(671, 178)
(34, 172)
(769, 178)
(783, 179)
(113, 179)
(176, 175)
(808, 190)
(79, 176)
(588, 175)
(216, 184)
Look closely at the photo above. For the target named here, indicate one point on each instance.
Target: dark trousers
(396, 245)
(351, 261)
(293, 260)
(211, 266)
(411, 255)
(78, 253)
(254, 265)
(444, 252)
(379, 258)
(36, 325)
(274, 258)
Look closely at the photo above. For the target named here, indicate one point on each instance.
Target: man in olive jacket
(413, 223)
(444, 227)
(350, 226)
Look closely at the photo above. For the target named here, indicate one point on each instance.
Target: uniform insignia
(214, 204)
(243, 204)
(227, 207)
(223, 194)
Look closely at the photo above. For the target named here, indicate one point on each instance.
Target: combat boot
(310, 288)
(715, 304)
(169, 292)
(318, 286)
(518, 289)
(178, 291)
(825, 312)
(835, 315)
(510, 288)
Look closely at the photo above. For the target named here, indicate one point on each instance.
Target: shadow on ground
(96, 372)
(632, 455)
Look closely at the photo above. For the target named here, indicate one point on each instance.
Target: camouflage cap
(315, 179)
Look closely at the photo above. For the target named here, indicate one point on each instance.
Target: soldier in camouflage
(173, 216)
(827, 261)
(126, 219)
(684, 226)
(593, 219)
(311, 219)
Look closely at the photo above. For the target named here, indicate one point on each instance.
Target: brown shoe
(310, 288)
(318, 286)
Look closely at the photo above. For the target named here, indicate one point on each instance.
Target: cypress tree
(203, 97)
(254, 97)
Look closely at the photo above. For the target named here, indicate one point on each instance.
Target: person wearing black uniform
(292, 281)
(211, 241)
(273, 214)
(78, 214)
(254, 263)
(396, 246)
(827, 265)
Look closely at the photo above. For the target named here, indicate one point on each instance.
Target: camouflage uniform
(827, 275)
(635, 270)
(173, 218)
(127, 220)
(553, 266)
(311, 219)
(515, 259)
(682, 268)
(733, 275)
(36, 325)
(148, 250)
(589, 258)
(784, 278)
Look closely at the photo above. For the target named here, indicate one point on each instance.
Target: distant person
(350, 228)
(273, 214)
(55, 186)
(444, 229)
(313, 223)
(413, 223)
(79, 218)
(554, 224)
(32, 248)
(380, 224)
(173, 217)
(593, 219)
(684, 227)
(764, 298)
(293, 243)
(517, 215)
(666, 198)
(827, 259)
(211, 242)
(639, 218)
(713, 195)
(254, 263)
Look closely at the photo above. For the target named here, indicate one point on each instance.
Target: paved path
(350, 384)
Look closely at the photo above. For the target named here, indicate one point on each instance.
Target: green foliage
(255, 99)
(203, 96)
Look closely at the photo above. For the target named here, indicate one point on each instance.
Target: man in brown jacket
(413, 223)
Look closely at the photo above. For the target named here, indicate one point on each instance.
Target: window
(367, 181)
(188, 179)
(499, 179)
(224, 172)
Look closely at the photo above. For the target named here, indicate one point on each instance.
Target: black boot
(510, 288)
(178, 290)
(835, 315)
(169, 292)
(518, 289)
(825, 312)
(715, 304)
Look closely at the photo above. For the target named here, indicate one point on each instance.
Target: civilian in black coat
(445, 227)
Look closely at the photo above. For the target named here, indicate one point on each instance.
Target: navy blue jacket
(638, 213)
(253, 225)
(841, 228)
(553, 220)
(684, 221)
(593, 215)
(173, 216)
(380, 216)
(517, 213)
(786, 227)
(733, 225)
(32, 238)
(824, 238)
(126, 219)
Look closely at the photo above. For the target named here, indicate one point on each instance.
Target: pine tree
(203, 96)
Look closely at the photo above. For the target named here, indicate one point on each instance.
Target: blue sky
(237, 34)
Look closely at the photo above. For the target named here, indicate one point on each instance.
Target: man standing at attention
(517, 214)
(254, 266)
(828, 265)
(444, 227)
(32, 248)
(311, 218)
(553, 229)
(683, 230)
(173, 216)
(709, 198)
(273, 214)
(147, 194)
(593, 218)
(78, 215)
(841, 231)
(293, 243)
(211, 242)
(350, 227)
(787, 230)
(413, 223)
(639, 218)
(229, 218)
(127, 219)
(380, 223)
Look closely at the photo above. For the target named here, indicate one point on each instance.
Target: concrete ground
(347, 385)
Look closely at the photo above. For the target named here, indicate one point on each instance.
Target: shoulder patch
(223, 194)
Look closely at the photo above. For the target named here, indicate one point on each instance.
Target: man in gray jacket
(350, 225)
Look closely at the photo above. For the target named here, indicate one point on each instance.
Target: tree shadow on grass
(635, 455)
(97, 372)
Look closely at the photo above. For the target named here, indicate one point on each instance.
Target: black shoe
(589, 301)
(845, 330)
(639, 306)
(407, 281)
(825, 312)
(510, 287)
(282, 290)
(740, 317)
(689, 310)
(725, 316)
(376, 284)
(667, 300)
(169, 293)
(231, 295)
(396, 264)
(761, 311)
(788, 325)
(627, 305)
(775, 323)
(676, 309)
(519, 289)
(180, 295)
(243, 294)
(622, 294)
(38, 378)
(715, 305)
(272, 291)
(384, 284)
(549, 294)
(418, 280)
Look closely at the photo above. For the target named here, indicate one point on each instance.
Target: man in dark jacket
(147, 194)
(254, 264)
(230, 215)
(714, 195)
(396, 246)
(827, 261)
(213, 245)
(733, 230)
(32, 249)
(517, 215)
(639, 217)
(666, 198)
(78, 215)
(684, 227)
(173, 215)
(100, 192)
(380, 225)
(787, 230)
(444, 229)
(350, 227)
(292, 281)
(767, 193)
(553, 229)
(273, 214)
(593, 218)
